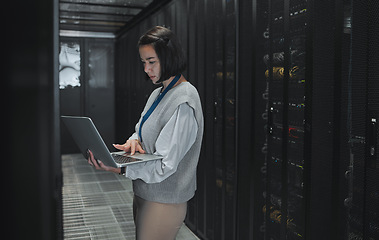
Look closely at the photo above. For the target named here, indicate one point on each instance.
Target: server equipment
(290, 99)
(319, 164)
(283, 168)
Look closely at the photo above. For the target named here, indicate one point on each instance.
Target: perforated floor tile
(98, 205)
(111, 186)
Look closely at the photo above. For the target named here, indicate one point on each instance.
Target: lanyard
(155, 104)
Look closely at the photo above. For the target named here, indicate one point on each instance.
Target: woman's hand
(131, 146)
(99, 165)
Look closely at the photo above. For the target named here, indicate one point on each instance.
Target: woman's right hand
(131, 146)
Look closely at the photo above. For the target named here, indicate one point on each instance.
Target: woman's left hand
(99, 165)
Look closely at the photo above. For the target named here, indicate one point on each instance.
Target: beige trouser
(157, 221)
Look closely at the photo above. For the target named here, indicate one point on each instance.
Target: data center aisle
(98, 205)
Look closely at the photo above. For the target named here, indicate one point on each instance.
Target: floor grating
(98, 205)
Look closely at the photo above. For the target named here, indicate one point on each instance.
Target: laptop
(86, 136)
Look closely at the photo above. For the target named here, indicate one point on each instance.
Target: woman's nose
(146, 68)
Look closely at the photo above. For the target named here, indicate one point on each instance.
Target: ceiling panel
(98, 16)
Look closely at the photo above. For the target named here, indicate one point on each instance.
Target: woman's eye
(151, 63)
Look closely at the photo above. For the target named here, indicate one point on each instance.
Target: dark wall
(31, 177)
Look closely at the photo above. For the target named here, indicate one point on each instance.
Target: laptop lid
(86, 136)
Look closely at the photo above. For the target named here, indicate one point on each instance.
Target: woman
(171, 125)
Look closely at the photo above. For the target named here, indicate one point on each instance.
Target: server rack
(301, 98)
(207, 32)
(290, 114)
(320, 161)
(362, 174)
(285, 75)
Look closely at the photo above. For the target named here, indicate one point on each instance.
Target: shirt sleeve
(134, 136)
(173, 142)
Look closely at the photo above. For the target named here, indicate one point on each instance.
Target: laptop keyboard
(120, 159)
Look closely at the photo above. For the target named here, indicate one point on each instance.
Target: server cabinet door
(99, 94)
(285, 76)
(86, 79)
(362, 201)
(224, 128)
(371, 219)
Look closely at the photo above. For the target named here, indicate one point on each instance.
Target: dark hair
(168, 49)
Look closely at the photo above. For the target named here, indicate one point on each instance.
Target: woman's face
(150, 62)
